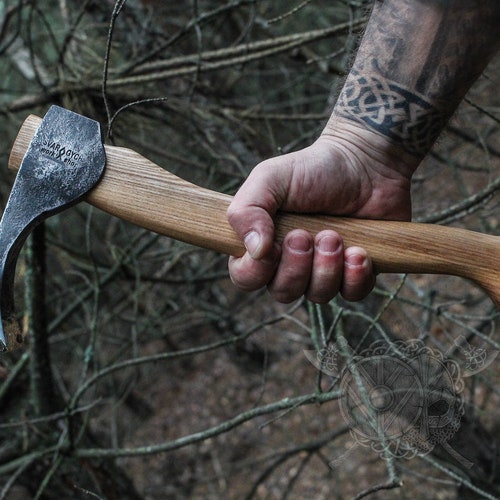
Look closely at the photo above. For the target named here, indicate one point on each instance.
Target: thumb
(255, 228)
(251, 212)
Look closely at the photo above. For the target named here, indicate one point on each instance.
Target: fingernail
(356, 260)
(329, 244)
(252, 243)
(299, 243)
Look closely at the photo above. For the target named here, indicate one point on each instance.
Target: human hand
(347, 171)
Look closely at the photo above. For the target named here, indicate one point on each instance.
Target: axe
(62, 159)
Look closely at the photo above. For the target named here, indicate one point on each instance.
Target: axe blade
(64, 160)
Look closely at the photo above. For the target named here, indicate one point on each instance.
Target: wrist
(357, 138)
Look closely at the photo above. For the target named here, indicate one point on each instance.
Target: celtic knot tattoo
(391, 110)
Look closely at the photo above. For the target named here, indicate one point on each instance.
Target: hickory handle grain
(139, 191)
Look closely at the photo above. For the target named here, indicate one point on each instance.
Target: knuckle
(319, 298)
(283, 293)
(283, 297)
(233, 213)
(322, 296)
(244, 277)
(246, 284)
(358, 290)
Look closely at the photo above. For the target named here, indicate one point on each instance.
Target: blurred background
(149, 376)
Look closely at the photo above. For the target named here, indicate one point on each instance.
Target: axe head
(65, 159)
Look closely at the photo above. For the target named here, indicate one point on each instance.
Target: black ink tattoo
(415, 63)
(391, 110)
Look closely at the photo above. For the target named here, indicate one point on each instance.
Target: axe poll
(62, 160)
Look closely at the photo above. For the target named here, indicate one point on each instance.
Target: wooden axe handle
(139, 191)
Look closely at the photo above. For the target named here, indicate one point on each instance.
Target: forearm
(416, 61)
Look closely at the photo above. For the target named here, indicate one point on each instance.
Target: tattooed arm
(416, 61)
(415, 64)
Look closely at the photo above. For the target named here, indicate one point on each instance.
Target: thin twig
(216, 430)
(114, 16)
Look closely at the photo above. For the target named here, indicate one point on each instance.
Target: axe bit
(62, 158)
